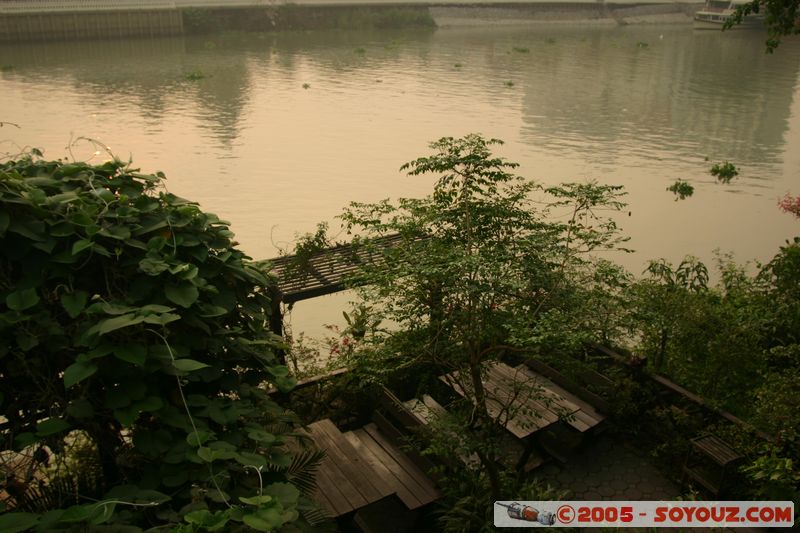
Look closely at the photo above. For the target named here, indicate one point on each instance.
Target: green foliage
(481, 265)
(724, 172)
(306, 247)
(681, 189)
(468, 505)
(731, 343)
(130, 320)
(521, 49)
(781, 17)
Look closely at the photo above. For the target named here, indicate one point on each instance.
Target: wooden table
(521, 400)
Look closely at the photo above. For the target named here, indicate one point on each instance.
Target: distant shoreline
(334, 14)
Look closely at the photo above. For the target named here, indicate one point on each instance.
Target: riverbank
(122, 21)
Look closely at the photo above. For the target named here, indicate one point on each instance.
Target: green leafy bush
(131, 323)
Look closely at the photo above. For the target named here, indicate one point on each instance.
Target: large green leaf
(51, 426)
(77, 372)
(74, 302)
(131, 353)
(80, 246)
(188, 365)
(110, 324)
(265, 519)
(14, 522)
(285, 493)
(207, 521)
(184, 294)
(116, 232)
(80, 408)
(152, 266)
(22, 299)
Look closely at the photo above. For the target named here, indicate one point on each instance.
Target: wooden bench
(707, 462)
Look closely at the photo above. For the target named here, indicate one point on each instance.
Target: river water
(281, 131)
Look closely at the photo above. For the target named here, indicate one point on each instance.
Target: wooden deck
(327, 270)
(362, 467)
(526, 402)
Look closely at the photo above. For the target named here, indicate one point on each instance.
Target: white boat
(717, 12)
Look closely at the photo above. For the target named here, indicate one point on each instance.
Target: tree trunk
(485, 429)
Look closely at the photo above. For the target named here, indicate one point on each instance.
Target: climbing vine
(134, 332)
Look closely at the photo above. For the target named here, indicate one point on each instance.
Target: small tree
(135, 356)
(480, 263)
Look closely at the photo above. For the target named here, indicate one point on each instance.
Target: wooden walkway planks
(403, 468)
(362, 467)
(327, 270)
(340, 491)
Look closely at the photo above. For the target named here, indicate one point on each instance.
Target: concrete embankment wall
(89, 25)
(327, 14)
(591, 13)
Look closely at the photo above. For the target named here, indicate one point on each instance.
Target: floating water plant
(195, 75)
(681, 189)
(458, 65)
(360, 51)
(521, 49)
(642, 44)
(724, 172)
(509, 83)
(306, 85)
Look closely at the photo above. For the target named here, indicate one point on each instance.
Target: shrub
(129, 322)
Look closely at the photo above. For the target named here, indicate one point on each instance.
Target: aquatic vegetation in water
(681, 189)
(195, 75)
(550, 40)
(642, 44)
(521, 49)
(724, 172)
(458, 65)
(306, 85)
(6, 68)
(360, 51)
(509, 83)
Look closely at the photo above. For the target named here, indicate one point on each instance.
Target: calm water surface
(636, 106)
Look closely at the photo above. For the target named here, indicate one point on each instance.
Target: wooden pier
(327, 271)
